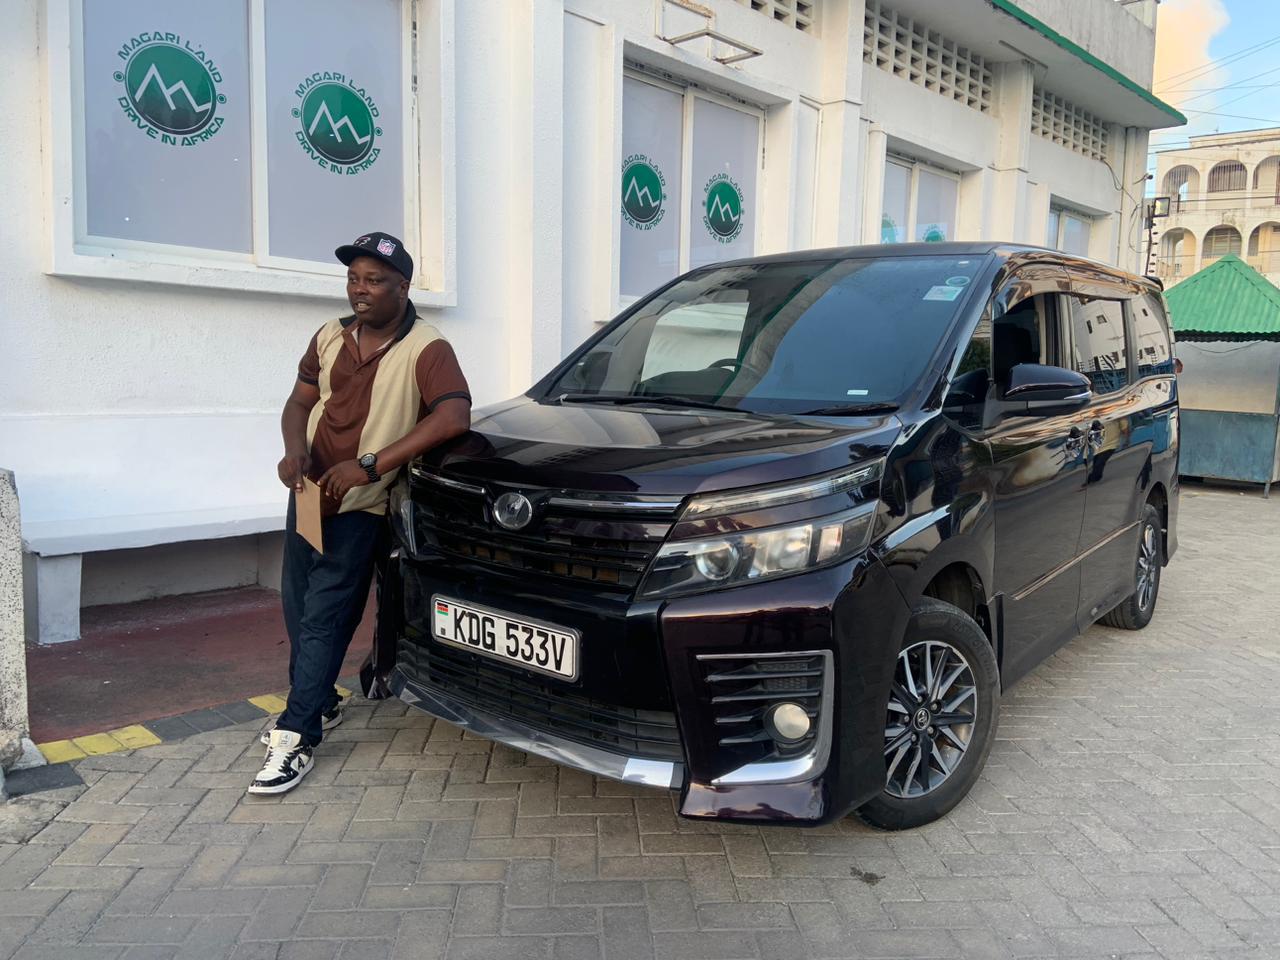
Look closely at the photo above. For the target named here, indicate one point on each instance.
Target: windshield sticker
(943, 293)
(957, 281)
(856, 393)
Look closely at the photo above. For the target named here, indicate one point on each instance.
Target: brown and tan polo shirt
(367, 404)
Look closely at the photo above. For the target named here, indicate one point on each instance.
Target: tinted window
(1153, 353)
(1098, 342)
(782, 337)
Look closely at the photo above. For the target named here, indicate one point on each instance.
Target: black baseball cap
(380, 246)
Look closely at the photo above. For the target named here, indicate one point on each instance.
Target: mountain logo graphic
(171, 89)
(642, 192)
(338, 123)
(723, 211)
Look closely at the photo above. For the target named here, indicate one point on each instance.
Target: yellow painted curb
(60, 751)
(133, 737)
(96, 744)
(270, 702)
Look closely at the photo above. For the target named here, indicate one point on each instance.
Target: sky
(1218, 61)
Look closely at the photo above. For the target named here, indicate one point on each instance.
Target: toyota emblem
(512, 511)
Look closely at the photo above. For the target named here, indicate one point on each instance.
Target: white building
(177, 176)
(1225, 193)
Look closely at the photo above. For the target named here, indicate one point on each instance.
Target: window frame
(689, 93)
(1063, 212)
(430, 182)
(913, 192)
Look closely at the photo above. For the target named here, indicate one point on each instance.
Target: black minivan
(779, 535)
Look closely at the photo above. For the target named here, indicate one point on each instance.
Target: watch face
(368, 460)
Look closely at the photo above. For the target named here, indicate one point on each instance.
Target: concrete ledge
(93, 534)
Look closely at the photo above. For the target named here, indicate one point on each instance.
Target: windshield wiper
(661, 400)
(851, 410)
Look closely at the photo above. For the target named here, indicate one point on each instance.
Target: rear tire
(945, 694)
(1136, 610)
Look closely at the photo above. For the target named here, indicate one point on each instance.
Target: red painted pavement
(142, 661)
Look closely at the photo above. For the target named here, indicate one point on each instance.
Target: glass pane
(1154, 355)
(166, 123)
(783, 337)
(897, 195)
(1075, 235)
(935, 208)
(1097, 328)
(335, 120)
(726, 153)
(652, 127)
(1051, 229)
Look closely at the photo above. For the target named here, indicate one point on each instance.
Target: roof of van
(1001, 249)
(1227, 300)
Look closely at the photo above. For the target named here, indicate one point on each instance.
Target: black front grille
(743, 689)
(610, 551)
(541, 704)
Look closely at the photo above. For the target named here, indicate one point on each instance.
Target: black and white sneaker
(327, 722)
(288, 760)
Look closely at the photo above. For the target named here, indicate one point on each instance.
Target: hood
(654, 450)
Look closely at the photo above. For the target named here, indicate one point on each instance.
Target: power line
(1218, 62)
(1230, 86)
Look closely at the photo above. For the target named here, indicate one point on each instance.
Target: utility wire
(1215, 64)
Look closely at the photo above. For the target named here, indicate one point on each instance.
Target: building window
(210, 146)
(1219, 242)
(1068, 231)
(900, 45)
(1067, 125)
(1230, 175)
(685, 201)
(919, 203)
(1266, 181)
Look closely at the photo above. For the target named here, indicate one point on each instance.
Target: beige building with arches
(1225, 199)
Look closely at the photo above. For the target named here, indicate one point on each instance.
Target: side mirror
(1040, 386)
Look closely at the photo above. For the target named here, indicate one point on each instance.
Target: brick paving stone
(1130, 808)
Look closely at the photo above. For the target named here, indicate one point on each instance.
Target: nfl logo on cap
(386, 247)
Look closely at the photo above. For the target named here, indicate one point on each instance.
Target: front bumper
(652, 656)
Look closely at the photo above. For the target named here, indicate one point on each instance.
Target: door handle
(1074, 444)
(1095, 434)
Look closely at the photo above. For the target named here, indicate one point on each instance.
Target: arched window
(1181, 184)
(1228, 176)
(1219, 242)
(1266, 181)
(1177, 253)
(1264, 247)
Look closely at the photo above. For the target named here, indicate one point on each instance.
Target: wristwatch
(370, 463)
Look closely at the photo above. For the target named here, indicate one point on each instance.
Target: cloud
(1184, 30)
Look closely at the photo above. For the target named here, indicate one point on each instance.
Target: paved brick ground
(1131, 808)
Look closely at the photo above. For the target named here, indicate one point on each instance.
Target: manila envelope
(307, 510)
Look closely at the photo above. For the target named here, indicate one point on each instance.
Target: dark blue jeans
(324, 596)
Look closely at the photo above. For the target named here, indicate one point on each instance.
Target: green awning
(1228, 300)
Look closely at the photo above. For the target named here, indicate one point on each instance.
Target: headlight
(688, 566)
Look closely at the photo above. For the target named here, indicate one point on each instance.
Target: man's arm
(448, 419)
(293, 427)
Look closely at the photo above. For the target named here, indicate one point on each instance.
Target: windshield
(779, 338)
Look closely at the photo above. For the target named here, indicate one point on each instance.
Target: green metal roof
(1228, 300)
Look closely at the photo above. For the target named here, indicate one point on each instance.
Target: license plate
(541, 647)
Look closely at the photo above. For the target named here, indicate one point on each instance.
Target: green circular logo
(169, 88)
(723, 208)
(642, 192)
(337, 123)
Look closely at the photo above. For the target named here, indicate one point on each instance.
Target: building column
(13, 651)
(1005, 206)
(535, 259)
(875, 158)
(839, 213)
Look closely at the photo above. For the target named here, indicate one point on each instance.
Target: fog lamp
(788, 722)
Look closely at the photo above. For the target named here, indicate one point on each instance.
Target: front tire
(1136, 611)
(941, 718)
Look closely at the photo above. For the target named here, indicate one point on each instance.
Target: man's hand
(341, 477)
(292, 468)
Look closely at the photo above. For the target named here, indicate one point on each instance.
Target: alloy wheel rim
(1148, 568)
(933, 706)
